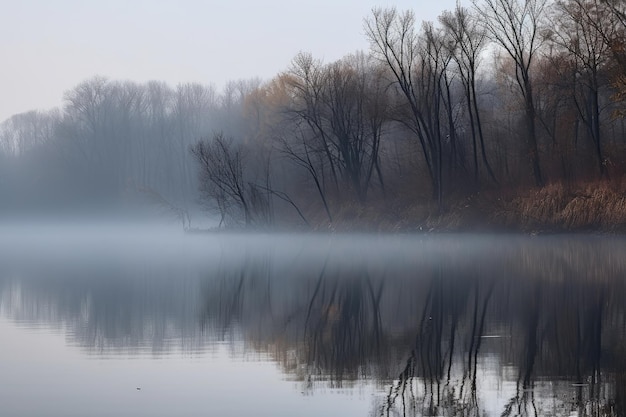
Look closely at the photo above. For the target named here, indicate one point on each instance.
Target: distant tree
(26, 131)
(194, 106)
(232, 103)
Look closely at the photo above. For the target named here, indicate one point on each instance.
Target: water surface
(161, 324)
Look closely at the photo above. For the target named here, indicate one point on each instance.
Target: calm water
(152, 324)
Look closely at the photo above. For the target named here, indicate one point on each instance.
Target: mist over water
(309, 324)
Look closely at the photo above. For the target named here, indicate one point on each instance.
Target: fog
(42, 241)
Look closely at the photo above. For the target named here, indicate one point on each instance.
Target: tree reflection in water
(432, 329)
(448, 325)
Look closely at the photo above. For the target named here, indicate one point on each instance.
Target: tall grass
(590, 206)
(556, 207)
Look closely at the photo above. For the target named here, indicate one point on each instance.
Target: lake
(104, 322)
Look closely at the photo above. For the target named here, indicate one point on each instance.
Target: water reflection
(452, 325)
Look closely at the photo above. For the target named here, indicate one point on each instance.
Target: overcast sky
(49, 46)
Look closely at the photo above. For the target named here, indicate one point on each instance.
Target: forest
(504, 114)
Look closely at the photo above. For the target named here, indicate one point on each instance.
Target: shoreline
(589, 208)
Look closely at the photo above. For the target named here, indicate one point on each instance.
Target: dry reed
(589, 206)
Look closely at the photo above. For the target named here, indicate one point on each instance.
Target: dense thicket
(504, 94)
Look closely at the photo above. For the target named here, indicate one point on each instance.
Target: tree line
(499, 95)
(115, 139)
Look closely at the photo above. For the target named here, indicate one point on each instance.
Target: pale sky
(49, 46)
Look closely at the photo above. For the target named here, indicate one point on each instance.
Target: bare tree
(345, 108)
(515, 26)
(581, 26)
(615, 39)
(25, 131)
(222, 179)
(307, 80)
(418, 66)
(469, 39)
(301, 154)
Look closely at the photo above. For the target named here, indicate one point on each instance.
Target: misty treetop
(500, 95)
(112, 139)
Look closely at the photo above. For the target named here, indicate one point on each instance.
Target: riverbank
(554, 208)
